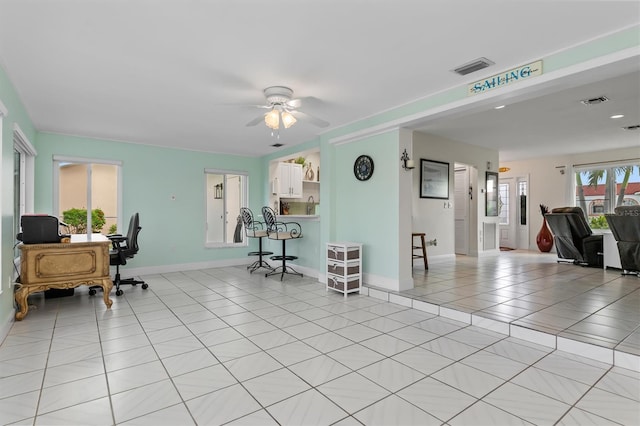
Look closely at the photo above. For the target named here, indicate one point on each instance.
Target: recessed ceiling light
(617, 116)
(499, 107)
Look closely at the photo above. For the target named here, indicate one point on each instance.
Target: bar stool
(281, 231)
(255, 229)
(422, 247)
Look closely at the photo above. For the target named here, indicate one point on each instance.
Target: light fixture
(288, 119)
(407, 163)
(272, 119)
(499, 107)
(218, 194)
(617, 116)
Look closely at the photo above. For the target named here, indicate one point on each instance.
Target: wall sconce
(407, 163)
(218, 193)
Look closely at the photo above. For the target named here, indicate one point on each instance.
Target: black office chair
(124, 248)
(574, 240)
(625, 227)
(255, 229)
(281, 231)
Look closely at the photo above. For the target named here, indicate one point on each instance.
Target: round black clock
(363, 167)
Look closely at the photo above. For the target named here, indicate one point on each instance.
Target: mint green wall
(173, 231)
(17, 114)
(368, 212)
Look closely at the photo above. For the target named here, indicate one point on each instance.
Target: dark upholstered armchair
(625, 227)
(573, 237)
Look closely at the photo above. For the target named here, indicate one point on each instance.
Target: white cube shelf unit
(344, 267)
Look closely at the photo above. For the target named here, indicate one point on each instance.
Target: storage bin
(338, 283)
(338, 253)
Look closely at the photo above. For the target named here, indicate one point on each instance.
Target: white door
(461, 209)
(232, 203)
(514, 211)
(522, 212)
(507, 213)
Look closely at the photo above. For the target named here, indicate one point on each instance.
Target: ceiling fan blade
(310, 118)
(255, 121)
(294, 103)
(257, 106)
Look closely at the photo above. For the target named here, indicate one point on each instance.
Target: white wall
(435, 217)
(547, 185)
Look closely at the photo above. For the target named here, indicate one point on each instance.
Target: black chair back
(269, 216)
(132, 235)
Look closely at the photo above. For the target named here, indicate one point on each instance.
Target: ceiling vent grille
(595, 101)
(634, 127)
(473, 66)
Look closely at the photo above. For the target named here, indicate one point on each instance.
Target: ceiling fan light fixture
(272, 119)
(288, 119)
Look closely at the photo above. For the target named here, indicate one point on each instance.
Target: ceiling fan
(282, 110)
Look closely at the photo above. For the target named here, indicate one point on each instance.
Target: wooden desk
(85, 260)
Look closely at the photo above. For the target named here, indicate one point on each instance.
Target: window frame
(608, 205)
(244, 198)
(57, 159)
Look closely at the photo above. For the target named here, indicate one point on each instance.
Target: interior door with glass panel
(506, 213)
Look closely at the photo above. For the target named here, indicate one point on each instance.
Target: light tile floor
(532, 290)
(221, 346)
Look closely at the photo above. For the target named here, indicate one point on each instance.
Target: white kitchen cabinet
(344, 267)
(289, 180)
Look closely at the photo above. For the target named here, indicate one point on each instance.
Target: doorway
(514, 213)
(463, 191)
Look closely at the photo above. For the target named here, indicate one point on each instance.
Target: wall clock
(363, 167)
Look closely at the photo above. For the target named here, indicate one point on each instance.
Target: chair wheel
(145, 286)
(92, 292)
(119, 292)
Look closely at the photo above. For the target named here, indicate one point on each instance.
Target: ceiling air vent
(277, 145)
(634, 127)
(595, 101)
(473, 66)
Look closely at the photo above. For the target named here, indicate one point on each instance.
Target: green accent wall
(173, 231)
(367, 212)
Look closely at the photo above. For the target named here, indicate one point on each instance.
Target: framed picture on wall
(434, 179)
(491, 205)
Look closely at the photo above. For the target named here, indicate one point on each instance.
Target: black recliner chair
(625, 227)
(574, 240)
(123, 248)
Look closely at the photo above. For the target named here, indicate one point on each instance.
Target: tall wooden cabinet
(344, 267)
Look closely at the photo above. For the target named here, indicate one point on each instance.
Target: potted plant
(77, 220)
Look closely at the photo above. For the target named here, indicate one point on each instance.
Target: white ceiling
(176, 73)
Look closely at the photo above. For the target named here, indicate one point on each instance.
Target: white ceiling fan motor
(278, 95)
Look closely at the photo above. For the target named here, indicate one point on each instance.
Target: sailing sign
(514, 75)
